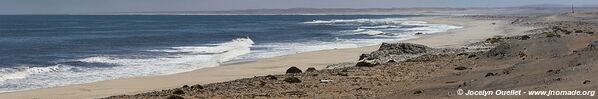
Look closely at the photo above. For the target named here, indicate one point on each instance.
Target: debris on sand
(461, 68)
(586, 82)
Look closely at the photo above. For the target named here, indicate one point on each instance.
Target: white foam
(370, 32)
(39, 77)
(386, 27)
(240, 43)
(380, 27)
(25, 71)
(433, 28)
(359, 30)
(359, 21)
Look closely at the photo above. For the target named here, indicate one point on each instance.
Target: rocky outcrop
(311, 69)
(393, 52)
(293, 70)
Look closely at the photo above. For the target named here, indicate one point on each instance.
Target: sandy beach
(473, 30)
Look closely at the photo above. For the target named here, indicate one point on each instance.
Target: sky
(91, 6)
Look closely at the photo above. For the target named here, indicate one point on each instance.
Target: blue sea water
(39, 51)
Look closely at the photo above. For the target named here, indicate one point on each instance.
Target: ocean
(40, 51)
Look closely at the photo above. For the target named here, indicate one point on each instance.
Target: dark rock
(461, 68)
(178, 91)
(295, 93)
(314, 74)
(463, 85)
(419, 33)
(271, 77)
(363, 56)
(590, 32)
(551, 34)
(311, 69)
(522, 55)
(578, 31)
(525, 37)
(418, 92)
(292, 80)
(554, 71)
(391, 61)
(403, 48)
(494, 40)
(293, 70)
(174, 97)
(362, 88)
(586, 82)
(499, 50)
(471, 56)
(365, 64)
(197, 86)
(386, 50)
(185, 86)
(490, 74)
(506, 72)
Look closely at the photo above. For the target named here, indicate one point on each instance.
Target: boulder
(311, 69)
(391, 61)
(461, 68)
(490, 74)
(525, 37)
(270, 77)
(403, 48)
(586, 81)
(178, 92)
(293, 70)
(388, 49)
(493, 40)
(197, 86)
(392, 52)
(365, 64)
(418, 92)
(499, 50)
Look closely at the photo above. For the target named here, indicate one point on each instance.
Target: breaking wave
(188, 58)
(386, 27)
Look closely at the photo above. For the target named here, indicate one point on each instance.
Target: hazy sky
(82, 6)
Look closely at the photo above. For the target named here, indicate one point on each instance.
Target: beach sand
(473, 31)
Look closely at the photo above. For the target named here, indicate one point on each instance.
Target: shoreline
(473, 30)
